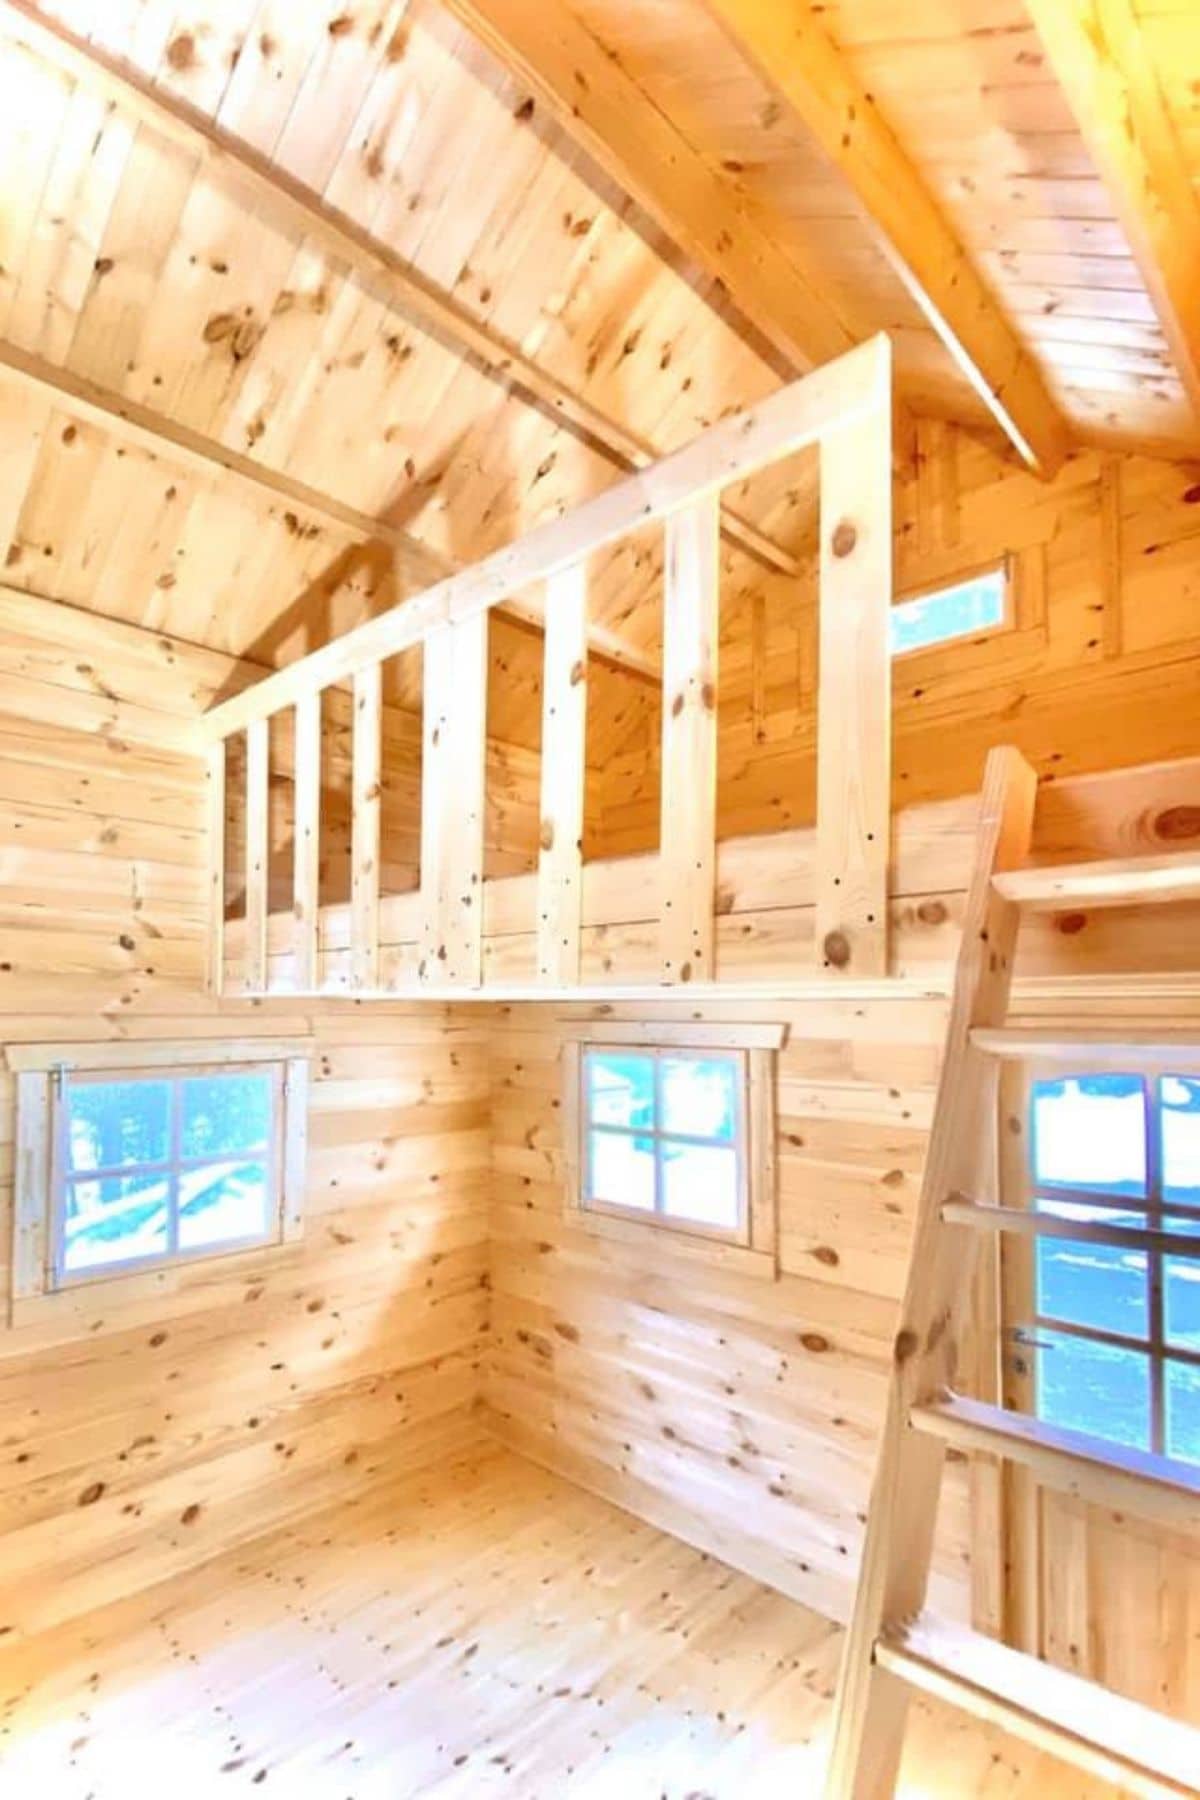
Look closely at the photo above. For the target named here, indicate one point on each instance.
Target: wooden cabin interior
(600, 899)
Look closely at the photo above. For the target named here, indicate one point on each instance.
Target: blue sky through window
(964, 610)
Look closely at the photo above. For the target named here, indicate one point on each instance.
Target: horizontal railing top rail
(785, 422)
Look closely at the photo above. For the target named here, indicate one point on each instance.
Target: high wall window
(152, 1160)
(1115, 1330)
(676, 1135)
(970, 608)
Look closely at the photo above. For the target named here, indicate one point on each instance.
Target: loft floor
(480, 1629)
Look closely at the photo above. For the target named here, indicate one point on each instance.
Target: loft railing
(845, 407)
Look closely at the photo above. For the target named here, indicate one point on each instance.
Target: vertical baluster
(687, 855)
(453, 772)
(364, 827)
(306, 838)
(258, 843)
(216, 867)
(564, 725)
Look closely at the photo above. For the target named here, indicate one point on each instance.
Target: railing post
(366, 778)
(258, 847)
(215, 761)
(306, 840)
(855, 690)
(453, 778)
(563, 778)
(687, 837)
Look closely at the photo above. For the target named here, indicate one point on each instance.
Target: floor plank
(483, 1628)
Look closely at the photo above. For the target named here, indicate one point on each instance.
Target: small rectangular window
(126, 1167)
(665, 1134)
(676, 1135)
(965, 609)
(1116, 1329)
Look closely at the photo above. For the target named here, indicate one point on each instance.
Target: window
(150, 1161)
(966, 609)
(677, 1134)
(1116, 1330)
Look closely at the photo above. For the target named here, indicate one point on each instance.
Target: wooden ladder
(894, 1644)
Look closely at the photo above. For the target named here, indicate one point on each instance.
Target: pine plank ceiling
(636, 206)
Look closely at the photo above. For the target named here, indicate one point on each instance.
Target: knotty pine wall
(147, 1423)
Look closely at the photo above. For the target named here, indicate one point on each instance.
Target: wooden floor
(480, 1629)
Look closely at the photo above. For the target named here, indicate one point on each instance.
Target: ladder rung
(1133, 881)
(1079, 1231)
(1117, 1048)
(1086, 1467)
(1119, 1740)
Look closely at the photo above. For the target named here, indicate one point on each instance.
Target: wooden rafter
(1104, 66)
(229, 160)
(551, 51)
(786, 44)
(128, 419)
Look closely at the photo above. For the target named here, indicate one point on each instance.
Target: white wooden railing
(845, 407)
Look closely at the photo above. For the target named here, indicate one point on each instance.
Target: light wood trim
(1143, 1751)
(574, 77)
(453, 773)
(688, 819)
(1104, 66)
(786, 421)
(1097, 1470)
(31, 1185)
(231, 161)
(1123, 1049)
(295, 1147)
(129, 1053)
(215, 836)
(366, 784)
(258, 852)
(1133, 881)
(563, 778)
(306, 838)
(1080, 1231)
(854, 698)
(870, 1714)
(785, 42)
(719, 1034)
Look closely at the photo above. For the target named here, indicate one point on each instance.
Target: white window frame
(752, 1243)
(44, 1074)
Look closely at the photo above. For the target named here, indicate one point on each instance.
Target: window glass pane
(114, 1219)
(700, 1183)
(111, 1123)
(225, 1115)
(222, 1203)
(1183, 1412)
(1093, 1387)
(1179, 1097)
(699, 1096)
(620, 1088)
(1090, 1131)
(1093, 1284)
(621, 1169)
(960, 611)
(1181, 1291)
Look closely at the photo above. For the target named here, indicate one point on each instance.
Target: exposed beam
(163, 436)
(784, 41)
(1103, 64)
(230, 161)
(550, 50)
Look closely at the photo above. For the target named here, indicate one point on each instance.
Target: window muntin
(963, 609)
(664, 1137)
(151, 1166)
(1116, 1331)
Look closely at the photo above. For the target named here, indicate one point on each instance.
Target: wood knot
(578, 671)
(825, 1253)
(1070, 924)
(546, 835)
(905, 1347)
(836, 949)
(1176, 823)
(677, 706)
(844, 538)
(812, 1340)
(708, 696)
(932, 912)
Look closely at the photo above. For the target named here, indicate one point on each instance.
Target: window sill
(674, 1245)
